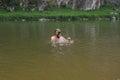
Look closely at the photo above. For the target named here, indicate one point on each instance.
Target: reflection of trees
(70, 31)
(91, 32)
(101, 57)
(24, 33)
(35, 32)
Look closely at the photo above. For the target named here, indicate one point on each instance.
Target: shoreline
(61, 19)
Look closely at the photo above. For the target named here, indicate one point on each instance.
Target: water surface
(26, 53)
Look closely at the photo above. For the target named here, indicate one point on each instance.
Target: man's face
(57, 32)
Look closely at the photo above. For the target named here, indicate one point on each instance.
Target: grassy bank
(60, 14)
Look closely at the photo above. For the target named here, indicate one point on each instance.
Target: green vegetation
(51, 9)
(60, 14)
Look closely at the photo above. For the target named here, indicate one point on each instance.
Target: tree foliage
(32, 5)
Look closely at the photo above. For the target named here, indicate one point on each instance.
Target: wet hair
(59, 31)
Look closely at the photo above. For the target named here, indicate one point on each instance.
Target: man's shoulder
(52, 37)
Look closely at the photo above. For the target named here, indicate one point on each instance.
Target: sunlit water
(26, 52)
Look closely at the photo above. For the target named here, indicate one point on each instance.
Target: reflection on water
(26, 52)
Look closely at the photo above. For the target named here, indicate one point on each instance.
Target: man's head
(57, 31)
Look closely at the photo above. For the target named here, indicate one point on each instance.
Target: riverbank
(60, 14)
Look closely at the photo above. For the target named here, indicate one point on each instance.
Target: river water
(26, 52)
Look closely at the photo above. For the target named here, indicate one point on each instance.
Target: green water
(26, 52)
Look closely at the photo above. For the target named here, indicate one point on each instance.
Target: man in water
(57, 38)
